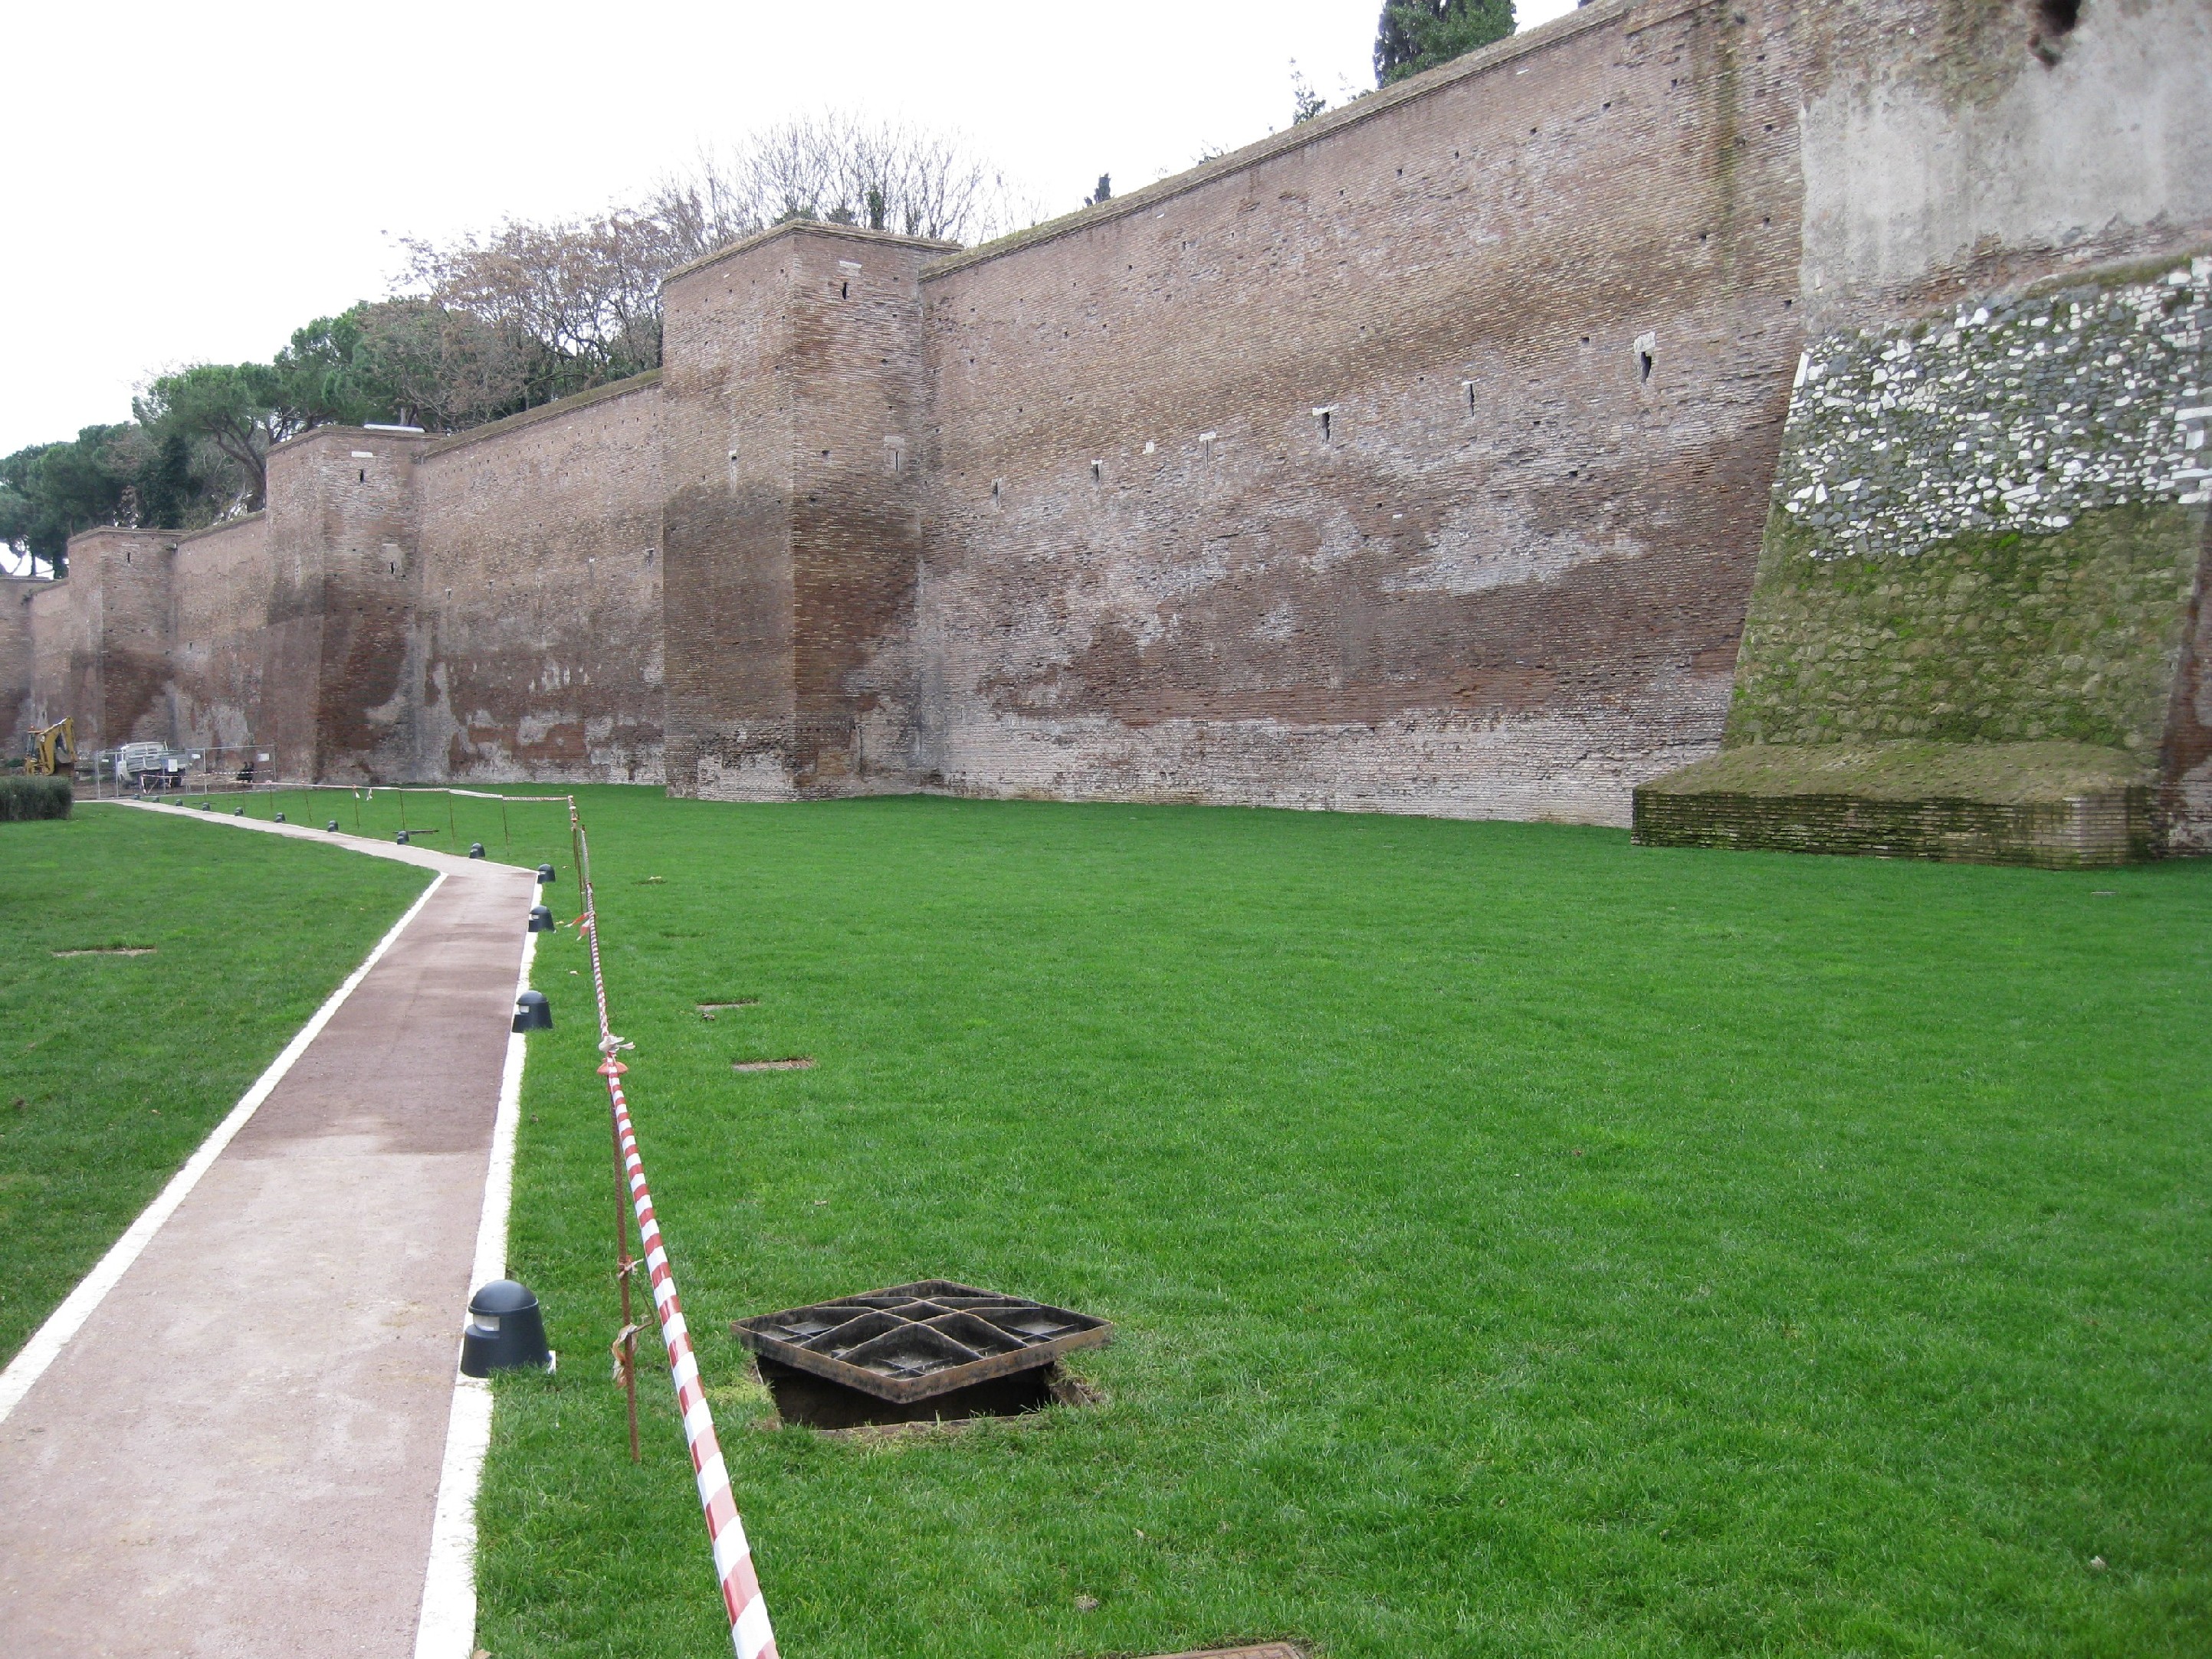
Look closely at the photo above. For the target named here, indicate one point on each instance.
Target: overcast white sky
(191, 182)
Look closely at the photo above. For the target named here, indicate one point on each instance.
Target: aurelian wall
(1423, 458)
(541, 593)
(223, 638)
(16, 657)
(345, 524)
(729, 442)
(1416, 460)
(100, 640)
(795, 431)
(1988, 524)
(1989, 520)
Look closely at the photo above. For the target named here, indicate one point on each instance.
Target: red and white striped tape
(734, 1558)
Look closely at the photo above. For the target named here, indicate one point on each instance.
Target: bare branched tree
(535, 311)
(578, 301)
(886, 175)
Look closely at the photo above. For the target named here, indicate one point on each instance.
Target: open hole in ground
(708, 1010)
(816, 1402)
(933, 1351)
(795, 1063)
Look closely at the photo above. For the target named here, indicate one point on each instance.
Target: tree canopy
(486, 326)
(1413, 35)
(120, 474)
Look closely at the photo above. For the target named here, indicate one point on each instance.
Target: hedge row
(24, 798)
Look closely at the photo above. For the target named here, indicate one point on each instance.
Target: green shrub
(24, 798)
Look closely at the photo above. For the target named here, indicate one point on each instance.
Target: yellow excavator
(51, 750)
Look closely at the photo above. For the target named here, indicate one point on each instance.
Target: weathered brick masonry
(1417, 459)
(17, 651)
(540, 594)
(100, 641)
(796, 411)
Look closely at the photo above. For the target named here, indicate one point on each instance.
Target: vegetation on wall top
(1413, 35)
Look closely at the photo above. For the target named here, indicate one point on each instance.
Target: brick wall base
(2080, 832)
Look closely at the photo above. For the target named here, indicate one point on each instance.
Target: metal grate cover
(911, 1342)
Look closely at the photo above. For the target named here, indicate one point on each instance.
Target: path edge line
(53, 1334)
(446, 1626)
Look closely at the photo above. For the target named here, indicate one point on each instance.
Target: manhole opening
(708, 1010)
(796, 1063)
(815, 1402)
(932, 1351)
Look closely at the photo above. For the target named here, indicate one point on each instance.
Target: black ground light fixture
(544, 875)
(532, 1012)
(475, 849)
(402, 838)
(541, 919)
(332, 826)
(238, 811)
(506, 1331)
(280, 818)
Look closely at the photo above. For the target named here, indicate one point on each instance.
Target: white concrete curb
(447, 1626)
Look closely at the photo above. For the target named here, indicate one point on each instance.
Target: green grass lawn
(118, 1065)
(1519, 1243)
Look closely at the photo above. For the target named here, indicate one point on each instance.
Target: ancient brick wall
(541, 593)
(100, 640)
(1414, 460)
(222, 640)
(728, 438)
(2079, 832)
(64, 654)
(795, 426)
(16, 657)
(1417, 459)
(344, 686)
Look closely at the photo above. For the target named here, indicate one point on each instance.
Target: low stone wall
(2078, 833)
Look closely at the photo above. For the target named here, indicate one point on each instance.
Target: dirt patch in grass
(795, 1063)
(110, 950)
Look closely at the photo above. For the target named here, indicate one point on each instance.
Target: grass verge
(119, 1064)
(1520, 1243)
